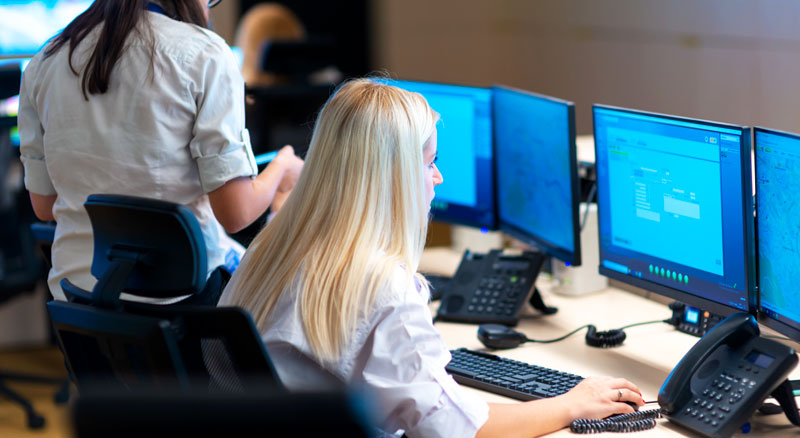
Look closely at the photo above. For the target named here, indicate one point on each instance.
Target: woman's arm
(240, 201)
(594, 397)
(43, 206)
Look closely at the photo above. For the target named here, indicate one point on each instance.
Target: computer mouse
(633, 405)
(500, 337)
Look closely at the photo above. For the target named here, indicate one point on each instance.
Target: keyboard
(508, 377)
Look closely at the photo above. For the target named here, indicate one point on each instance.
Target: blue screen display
(465, 152)
(26, 25)
(778, 212)
(691, 315)
(671, 196)
(537, 181)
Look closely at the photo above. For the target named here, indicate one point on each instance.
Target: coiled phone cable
(633, 422)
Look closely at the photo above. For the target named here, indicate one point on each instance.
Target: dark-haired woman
(139, 98)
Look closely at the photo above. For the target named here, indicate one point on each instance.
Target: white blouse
(170, 128)
(396, 354)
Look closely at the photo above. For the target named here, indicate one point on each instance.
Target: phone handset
(734, 330)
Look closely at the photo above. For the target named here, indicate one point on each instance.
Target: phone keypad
(716, 401)
(498, 294)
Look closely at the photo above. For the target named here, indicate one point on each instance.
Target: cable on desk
(604, 339)
(633, 422)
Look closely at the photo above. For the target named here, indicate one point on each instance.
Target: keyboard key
(508, 377)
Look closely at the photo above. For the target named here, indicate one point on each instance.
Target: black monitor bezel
(747, 231)
(792, 329)
(572, 257)
(440, 215)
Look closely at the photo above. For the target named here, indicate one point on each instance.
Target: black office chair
(331, 414)
(154, 249)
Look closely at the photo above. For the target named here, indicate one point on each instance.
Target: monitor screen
(465, 152)
(777, 155)
(26, 25)
(537, 175)
(675, 207)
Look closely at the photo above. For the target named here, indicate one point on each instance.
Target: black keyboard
(508, 377)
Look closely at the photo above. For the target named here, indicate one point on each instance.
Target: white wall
(734, 61)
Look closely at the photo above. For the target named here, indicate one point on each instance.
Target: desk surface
(646, 358)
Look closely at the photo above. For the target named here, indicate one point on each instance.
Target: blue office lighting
(673, 197)
(26, 25)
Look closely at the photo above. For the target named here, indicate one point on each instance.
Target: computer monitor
(465, 152)
(675, 207)
(777, 155)
(536, 171)
(26, 25)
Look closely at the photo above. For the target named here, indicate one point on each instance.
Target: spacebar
(460, 372)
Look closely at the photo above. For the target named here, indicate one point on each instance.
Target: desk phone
(493, 287)
(726, 376)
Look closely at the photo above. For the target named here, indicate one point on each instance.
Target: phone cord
(633, 422)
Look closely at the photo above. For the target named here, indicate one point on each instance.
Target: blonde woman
(332, 284)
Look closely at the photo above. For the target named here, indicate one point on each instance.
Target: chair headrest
(164, 237)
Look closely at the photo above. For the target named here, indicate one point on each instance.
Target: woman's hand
(291, 165)
(599, 397)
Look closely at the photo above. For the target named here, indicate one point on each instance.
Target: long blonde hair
(356, 215)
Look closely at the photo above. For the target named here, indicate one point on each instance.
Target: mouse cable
(550, 341)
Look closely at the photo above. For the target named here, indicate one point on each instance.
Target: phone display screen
(760, 359)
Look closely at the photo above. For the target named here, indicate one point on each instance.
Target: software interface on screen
(26, 25)
(778, 212)
(671, 204)
(464, 144)
(537, 185)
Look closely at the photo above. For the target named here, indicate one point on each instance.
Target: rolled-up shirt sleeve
(31, 145)
(220, 143)
(406, 371)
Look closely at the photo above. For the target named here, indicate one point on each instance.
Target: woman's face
(432, 175)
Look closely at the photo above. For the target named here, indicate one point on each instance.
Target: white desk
(646, 358)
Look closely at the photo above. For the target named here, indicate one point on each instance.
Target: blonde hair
(357, 214)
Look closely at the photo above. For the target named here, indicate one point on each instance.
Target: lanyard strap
(152, 7)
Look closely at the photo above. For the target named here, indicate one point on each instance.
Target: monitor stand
(537, 303)
(536, 300)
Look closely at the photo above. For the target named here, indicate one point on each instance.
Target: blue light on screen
(778, 211)
(464, 141)
(670, 202)
(26, 25)
(692, 315)
(533, 147)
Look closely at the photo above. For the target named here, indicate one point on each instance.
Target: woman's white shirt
(172, 129)
(396, 354)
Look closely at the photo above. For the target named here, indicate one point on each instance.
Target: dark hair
(118, 18)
